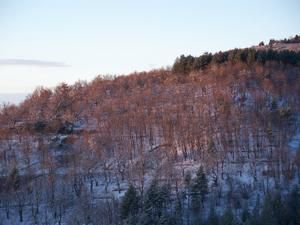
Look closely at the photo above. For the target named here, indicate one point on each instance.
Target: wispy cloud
(31, 62)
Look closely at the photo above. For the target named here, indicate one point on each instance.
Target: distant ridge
(12, 98)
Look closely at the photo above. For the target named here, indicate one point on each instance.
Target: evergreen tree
(279, 211)
(245, 214)
(213, 218)
(202, 61)
(187, 180)
(199, 188)
(228, 217)
(293, 207)
(156, 202)
(130, 203)
(234, 56)
(267, 215)
(254, 218)
(188, 184)
(178, 213)
(261, 56)
(251, 57)
(14, 180)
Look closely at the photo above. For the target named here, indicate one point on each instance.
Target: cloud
(30, 62)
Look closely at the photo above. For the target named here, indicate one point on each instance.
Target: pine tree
(14, 180)
(188, 182)
(178, 212)
(130, 203)
(254, 218)
(187, 179)
(228, 217)
(156, 202)
(251, 57)
(245, 214)
(293, 207)
(199, 188)
(151, 199)
(267, 215)
(279, 211)
(213, 218)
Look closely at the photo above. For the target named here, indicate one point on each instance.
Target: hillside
(214, 138)
(292, 44)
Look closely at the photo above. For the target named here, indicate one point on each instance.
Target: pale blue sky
(45, 42)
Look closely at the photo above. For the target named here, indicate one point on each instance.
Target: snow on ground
(295, 142)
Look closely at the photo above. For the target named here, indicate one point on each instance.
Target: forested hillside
(213, 140)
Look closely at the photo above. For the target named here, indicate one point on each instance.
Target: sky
(46, 42)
